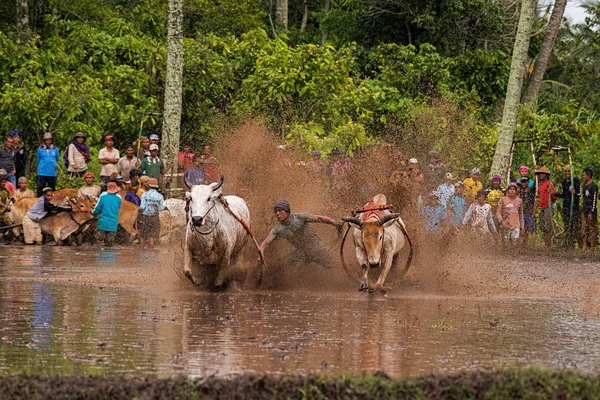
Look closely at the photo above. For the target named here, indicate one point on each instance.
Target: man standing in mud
(295, 228)
(589, 216)
(571, 191)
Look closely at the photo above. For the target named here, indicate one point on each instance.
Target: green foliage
(312, 136)
(223, 17)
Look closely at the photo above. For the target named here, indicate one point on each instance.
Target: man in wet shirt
(296, 229)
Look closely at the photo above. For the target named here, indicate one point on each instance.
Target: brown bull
(378, 238)
(61, 225)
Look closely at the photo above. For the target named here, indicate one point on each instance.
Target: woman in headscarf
(77, 155)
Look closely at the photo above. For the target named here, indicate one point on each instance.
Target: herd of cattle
(63, 226)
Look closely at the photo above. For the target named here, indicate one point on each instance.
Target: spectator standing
(21, 154)
(77, 155)
(9, 186)
(143, 186)
(7, 160)
(89, 189)
(154, 138)
(131, 195)
(143, 148)
(457, 204)
(338, 169)
(445, 190)
(185, 158)
(509, 214)
(127, 163)
(108, 157)
(153, 166)
(152, 203)
(435, 172)
(22, 192)
(433, 214)
(528, 196)
(195, 175)
(473, 185)
(211, 165)
(571, 189)
(479, 217)
(524, 173)
(107, 209)
(547, 197)
(496, 192)
(31, 226)
(417, 176)
(47, 159)
(589, 215)
(5, 202)
(316, 167)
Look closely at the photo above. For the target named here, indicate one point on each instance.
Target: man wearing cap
(144, 180)
(473, 185)
(153, 166)
(21, 154)
(108, 157)
(316, 166)
(47, 159)
(7, 160)
(296, 229)
(151, 204)
(31, 226)
(107, 209)
(154, 139)
(445, 190)
(571, 189)
(22, 191)
(77, 155)
(127, 163)
(417, 176)
(547, 197)
(89, 189)
(509, 215)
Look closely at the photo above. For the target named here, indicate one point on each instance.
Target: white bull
(378, 238)
(214, 238)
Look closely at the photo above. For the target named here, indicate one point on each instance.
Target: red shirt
(544, 196)
(184, 161)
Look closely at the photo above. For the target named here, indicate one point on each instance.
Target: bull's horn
(387, 218)
(356, 221)
(220, 182)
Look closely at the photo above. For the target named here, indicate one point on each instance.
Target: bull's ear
(355, 222)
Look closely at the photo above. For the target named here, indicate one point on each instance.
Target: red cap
(109, 137)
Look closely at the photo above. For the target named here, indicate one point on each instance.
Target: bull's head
(372, 232)
(201, 199)
(84, 209)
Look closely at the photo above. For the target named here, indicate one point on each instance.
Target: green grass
(500, 384)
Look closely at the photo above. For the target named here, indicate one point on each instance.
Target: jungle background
(329, 73)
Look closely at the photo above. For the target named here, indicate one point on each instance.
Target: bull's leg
(387, 266)
(187, 268)
(224, 271)
(364, 282)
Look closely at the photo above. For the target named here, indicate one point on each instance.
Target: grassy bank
(503, 384)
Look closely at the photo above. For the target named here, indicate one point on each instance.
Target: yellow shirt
(471, 189)
(140, 192)
(494, 197)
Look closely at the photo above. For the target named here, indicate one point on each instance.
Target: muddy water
(118, 312)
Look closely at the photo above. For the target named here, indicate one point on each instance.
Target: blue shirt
(152, 202)
(444, 191)
(47, 159)
(433, 217)
(108, 209)
(458, 205)
(194, 176)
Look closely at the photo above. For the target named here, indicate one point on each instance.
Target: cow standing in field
(214, 237)
(378, 236)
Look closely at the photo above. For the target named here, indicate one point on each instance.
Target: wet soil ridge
(511, 383)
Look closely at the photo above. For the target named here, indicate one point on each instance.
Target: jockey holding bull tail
(295, 228)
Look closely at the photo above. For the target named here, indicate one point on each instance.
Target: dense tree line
(322, 74)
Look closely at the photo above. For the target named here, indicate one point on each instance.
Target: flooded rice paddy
(88, 310)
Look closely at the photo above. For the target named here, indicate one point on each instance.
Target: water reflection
(51, 325)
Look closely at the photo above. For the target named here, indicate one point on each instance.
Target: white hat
(154, 136)
(475, 171)
(153, 147)
(449, 175)
(47, 135)
(413, 161)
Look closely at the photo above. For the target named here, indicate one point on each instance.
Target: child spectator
(479, 217)
(108, 209)
(458, 204)
(148, 218)
(445, 190)
(22, 191)
(433, 215)
(510, 216)
(472, 185)
(589, 216)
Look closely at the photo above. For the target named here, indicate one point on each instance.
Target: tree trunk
(304, 16)
(39, 8)
(539, 69)
(23, 31)
(173, 87)
(513, 91)
(281, 13)
(323, 29)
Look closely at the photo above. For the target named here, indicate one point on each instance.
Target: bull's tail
(411, 251)
(342, 255)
